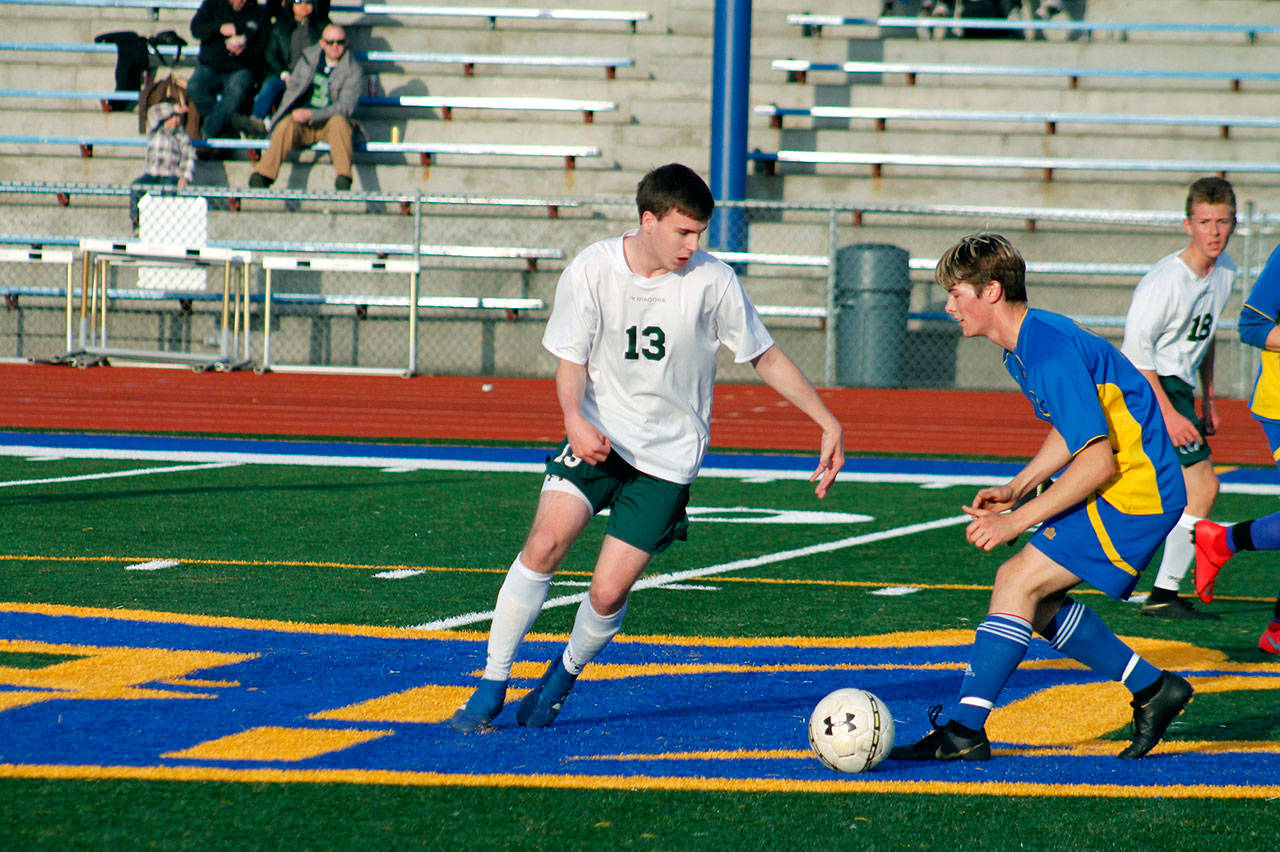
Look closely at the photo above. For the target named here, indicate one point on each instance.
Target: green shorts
(1183, 398)
(644, 511)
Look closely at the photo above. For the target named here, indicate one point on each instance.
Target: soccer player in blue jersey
(1215, 543)
(1118, 494)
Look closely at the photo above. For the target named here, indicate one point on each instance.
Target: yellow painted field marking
(278, 744)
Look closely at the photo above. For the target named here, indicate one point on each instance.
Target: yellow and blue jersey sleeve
(1088, 390)
(1259, 315)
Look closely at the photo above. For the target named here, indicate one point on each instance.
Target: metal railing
(488, 268)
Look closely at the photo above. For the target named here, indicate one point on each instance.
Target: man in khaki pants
(324, 89)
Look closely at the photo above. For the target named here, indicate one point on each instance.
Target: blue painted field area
(242, 698)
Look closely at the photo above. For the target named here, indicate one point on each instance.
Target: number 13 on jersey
(653, 346)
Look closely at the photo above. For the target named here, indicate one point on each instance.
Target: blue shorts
(1102, 545)
(1271, 428)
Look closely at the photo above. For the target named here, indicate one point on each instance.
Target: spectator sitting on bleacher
(982, 9)
(170, 159)
(290, 35)
(232, 34)
(324, 89)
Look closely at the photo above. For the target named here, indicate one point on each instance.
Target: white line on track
(116, 474)
(661, 580)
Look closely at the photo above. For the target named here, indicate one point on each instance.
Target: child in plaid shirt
(170, 158)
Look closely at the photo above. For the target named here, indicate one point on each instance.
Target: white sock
(519, 601)
(591, 632)
(1178, 553)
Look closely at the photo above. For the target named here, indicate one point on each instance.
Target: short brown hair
(1211, 190)
(982, 257)
(675, 187)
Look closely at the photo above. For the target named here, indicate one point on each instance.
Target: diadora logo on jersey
(99, 693)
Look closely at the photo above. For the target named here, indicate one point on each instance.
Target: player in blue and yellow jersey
(1215, 543)
(1118, 494)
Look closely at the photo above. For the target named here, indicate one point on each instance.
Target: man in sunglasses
(299, 27)
(324, 88)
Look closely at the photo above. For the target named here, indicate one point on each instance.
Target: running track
(136, 399)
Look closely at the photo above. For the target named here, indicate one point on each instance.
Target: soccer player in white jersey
(1169, 337)
(636, 325)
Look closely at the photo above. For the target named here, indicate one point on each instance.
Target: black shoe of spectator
(342, 182)
(259, 181)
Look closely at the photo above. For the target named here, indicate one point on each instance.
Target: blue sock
(998, 646)
(1078, 632)
(1258, 534)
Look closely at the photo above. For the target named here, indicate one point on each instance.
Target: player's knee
(606, 600)
(1016, 581)
(543, 550)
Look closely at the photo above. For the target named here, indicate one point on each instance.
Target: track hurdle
(100, 258)
(408, 302)
(34, 254)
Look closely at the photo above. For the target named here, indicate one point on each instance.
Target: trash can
(873, 294)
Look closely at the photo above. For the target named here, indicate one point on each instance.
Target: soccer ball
(851, 730)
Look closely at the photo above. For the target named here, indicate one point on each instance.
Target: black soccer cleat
(1152, 719)
(1177, 608)
(944, 742)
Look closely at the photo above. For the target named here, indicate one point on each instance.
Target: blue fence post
(730, 83)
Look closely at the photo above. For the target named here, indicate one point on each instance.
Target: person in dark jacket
(232, 36)
(291, 34)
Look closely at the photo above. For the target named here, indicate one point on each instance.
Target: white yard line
(660, 580)
(146, 471)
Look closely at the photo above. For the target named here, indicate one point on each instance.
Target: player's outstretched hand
(988, 528)
(997, 498)
(830, 463)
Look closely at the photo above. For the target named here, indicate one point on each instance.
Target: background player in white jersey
(1168, 335)
(636, 326)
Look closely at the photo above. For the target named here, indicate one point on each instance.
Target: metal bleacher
(881, 116)
(445, 103)
(813, 25)
(1047, 166)
(799, 69)
(489, 14)
(467, 61)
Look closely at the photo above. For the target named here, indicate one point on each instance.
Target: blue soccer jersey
(1087, 389)
(1259, 315)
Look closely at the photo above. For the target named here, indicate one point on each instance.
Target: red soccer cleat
(1212, 553)
(1269, 641)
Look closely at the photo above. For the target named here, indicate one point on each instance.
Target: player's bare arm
(780, 373)
(585, 439)
(1209, 418)
(1086, 473)
(1272, 343)
(1052, 456)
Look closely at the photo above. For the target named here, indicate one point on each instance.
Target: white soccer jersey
(650, 347)
(1173, 315)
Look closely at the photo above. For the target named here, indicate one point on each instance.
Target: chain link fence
(847, 290)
